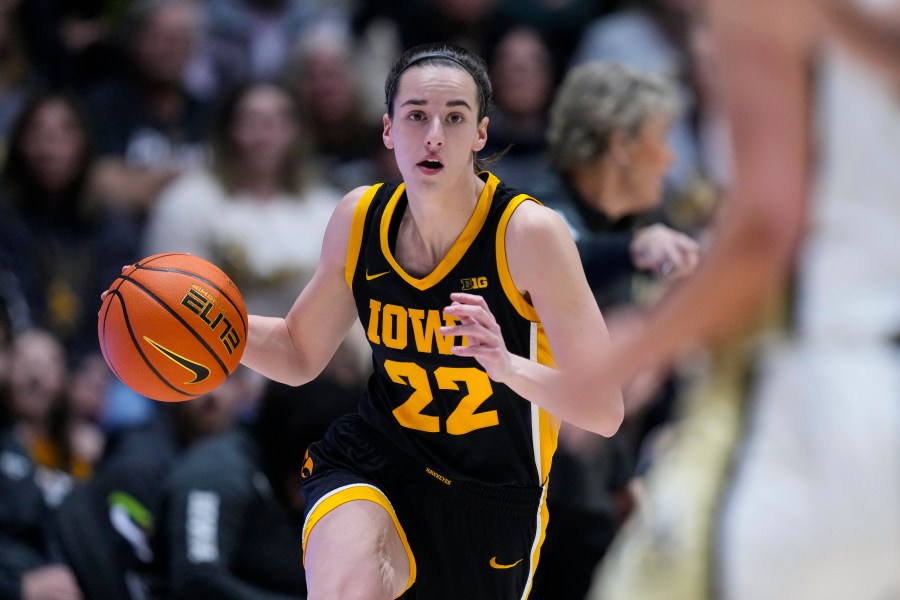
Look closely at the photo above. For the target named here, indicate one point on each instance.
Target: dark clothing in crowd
(229, 535)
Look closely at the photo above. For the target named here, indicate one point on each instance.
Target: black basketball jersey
(439, 408)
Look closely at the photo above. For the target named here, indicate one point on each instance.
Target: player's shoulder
(533, 221)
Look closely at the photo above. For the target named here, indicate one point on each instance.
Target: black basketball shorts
(464, 539)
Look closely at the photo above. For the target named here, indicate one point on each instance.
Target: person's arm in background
(764, 49)
(874, 35)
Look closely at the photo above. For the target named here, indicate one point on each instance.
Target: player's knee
(356, 552)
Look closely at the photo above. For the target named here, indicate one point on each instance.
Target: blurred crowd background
(230, 129)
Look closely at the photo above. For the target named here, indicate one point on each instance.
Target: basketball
(172, 327)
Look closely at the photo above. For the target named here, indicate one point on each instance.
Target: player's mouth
(430, 166)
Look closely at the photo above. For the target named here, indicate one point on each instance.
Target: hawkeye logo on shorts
(200, 372)
(474, 283)
(496, 565)
(307, 469)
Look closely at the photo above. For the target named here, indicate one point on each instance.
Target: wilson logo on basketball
(199, 302)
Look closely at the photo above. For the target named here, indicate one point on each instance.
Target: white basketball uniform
(786, 485)
(814, 512)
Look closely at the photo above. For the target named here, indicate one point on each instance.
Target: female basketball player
(463, 286)
(805, 504)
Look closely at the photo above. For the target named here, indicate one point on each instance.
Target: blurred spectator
(89, 395)
(234, 510)
(608, 142)
(270, 212)
(29, 566)
(253, 39)
(69, 41)
(108, 525)
(523, 77)
(653, 36)
(471, 24)
(41, 414)
(16, 74)
(59, 243)
(147, 125)
(607, 138)
(346, 136)
(560, 22)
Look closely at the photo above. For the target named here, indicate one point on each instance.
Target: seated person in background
(29, 567)
(524, 76)
(41, 418)
(108, 525)
(148, 126)
(234, 513)
(58, 242)
(607, 139)
(270, 211)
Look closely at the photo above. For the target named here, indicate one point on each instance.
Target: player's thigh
(354, 547)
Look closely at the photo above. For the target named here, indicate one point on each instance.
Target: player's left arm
(545, 266)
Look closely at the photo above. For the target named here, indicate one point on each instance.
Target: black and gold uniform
(459, 461)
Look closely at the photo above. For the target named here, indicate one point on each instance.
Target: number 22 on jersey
(464, 417)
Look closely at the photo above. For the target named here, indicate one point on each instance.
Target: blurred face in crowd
(53, 144)
(649, 157)
(328, 86)
(214, 412)
(37, 375)
(166, 43)
(264, 128)
(522, 74)
(89, 387)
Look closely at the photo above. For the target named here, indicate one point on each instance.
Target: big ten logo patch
(474, 283)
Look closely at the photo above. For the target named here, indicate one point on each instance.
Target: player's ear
(386, 133)
(480, 135)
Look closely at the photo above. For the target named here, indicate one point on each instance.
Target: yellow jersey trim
(543, 516)
(522, 306)
(350, 493)
(357, 228)
(459, 247)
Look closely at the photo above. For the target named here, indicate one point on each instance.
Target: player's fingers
(469, 299)
(476, 312)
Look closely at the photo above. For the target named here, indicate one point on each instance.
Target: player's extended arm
(764, 47)
(874, 35)
(295, 349)
(544, 264)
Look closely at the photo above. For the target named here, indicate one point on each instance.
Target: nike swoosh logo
(497, 565)
(200, 372)
(375, 276)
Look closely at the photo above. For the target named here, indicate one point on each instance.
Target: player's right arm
(294, 349)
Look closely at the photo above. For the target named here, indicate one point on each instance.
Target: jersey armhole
(522, 306)
(357, 227)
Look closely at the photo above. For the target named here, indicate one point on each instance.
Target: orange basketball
(172, 327)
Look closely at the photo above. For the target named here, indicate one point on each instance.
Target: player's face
(651, 156)
(435, 129)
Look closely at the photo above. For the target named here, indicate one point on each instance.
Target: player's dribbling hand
(478, 325)
(105, 293)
